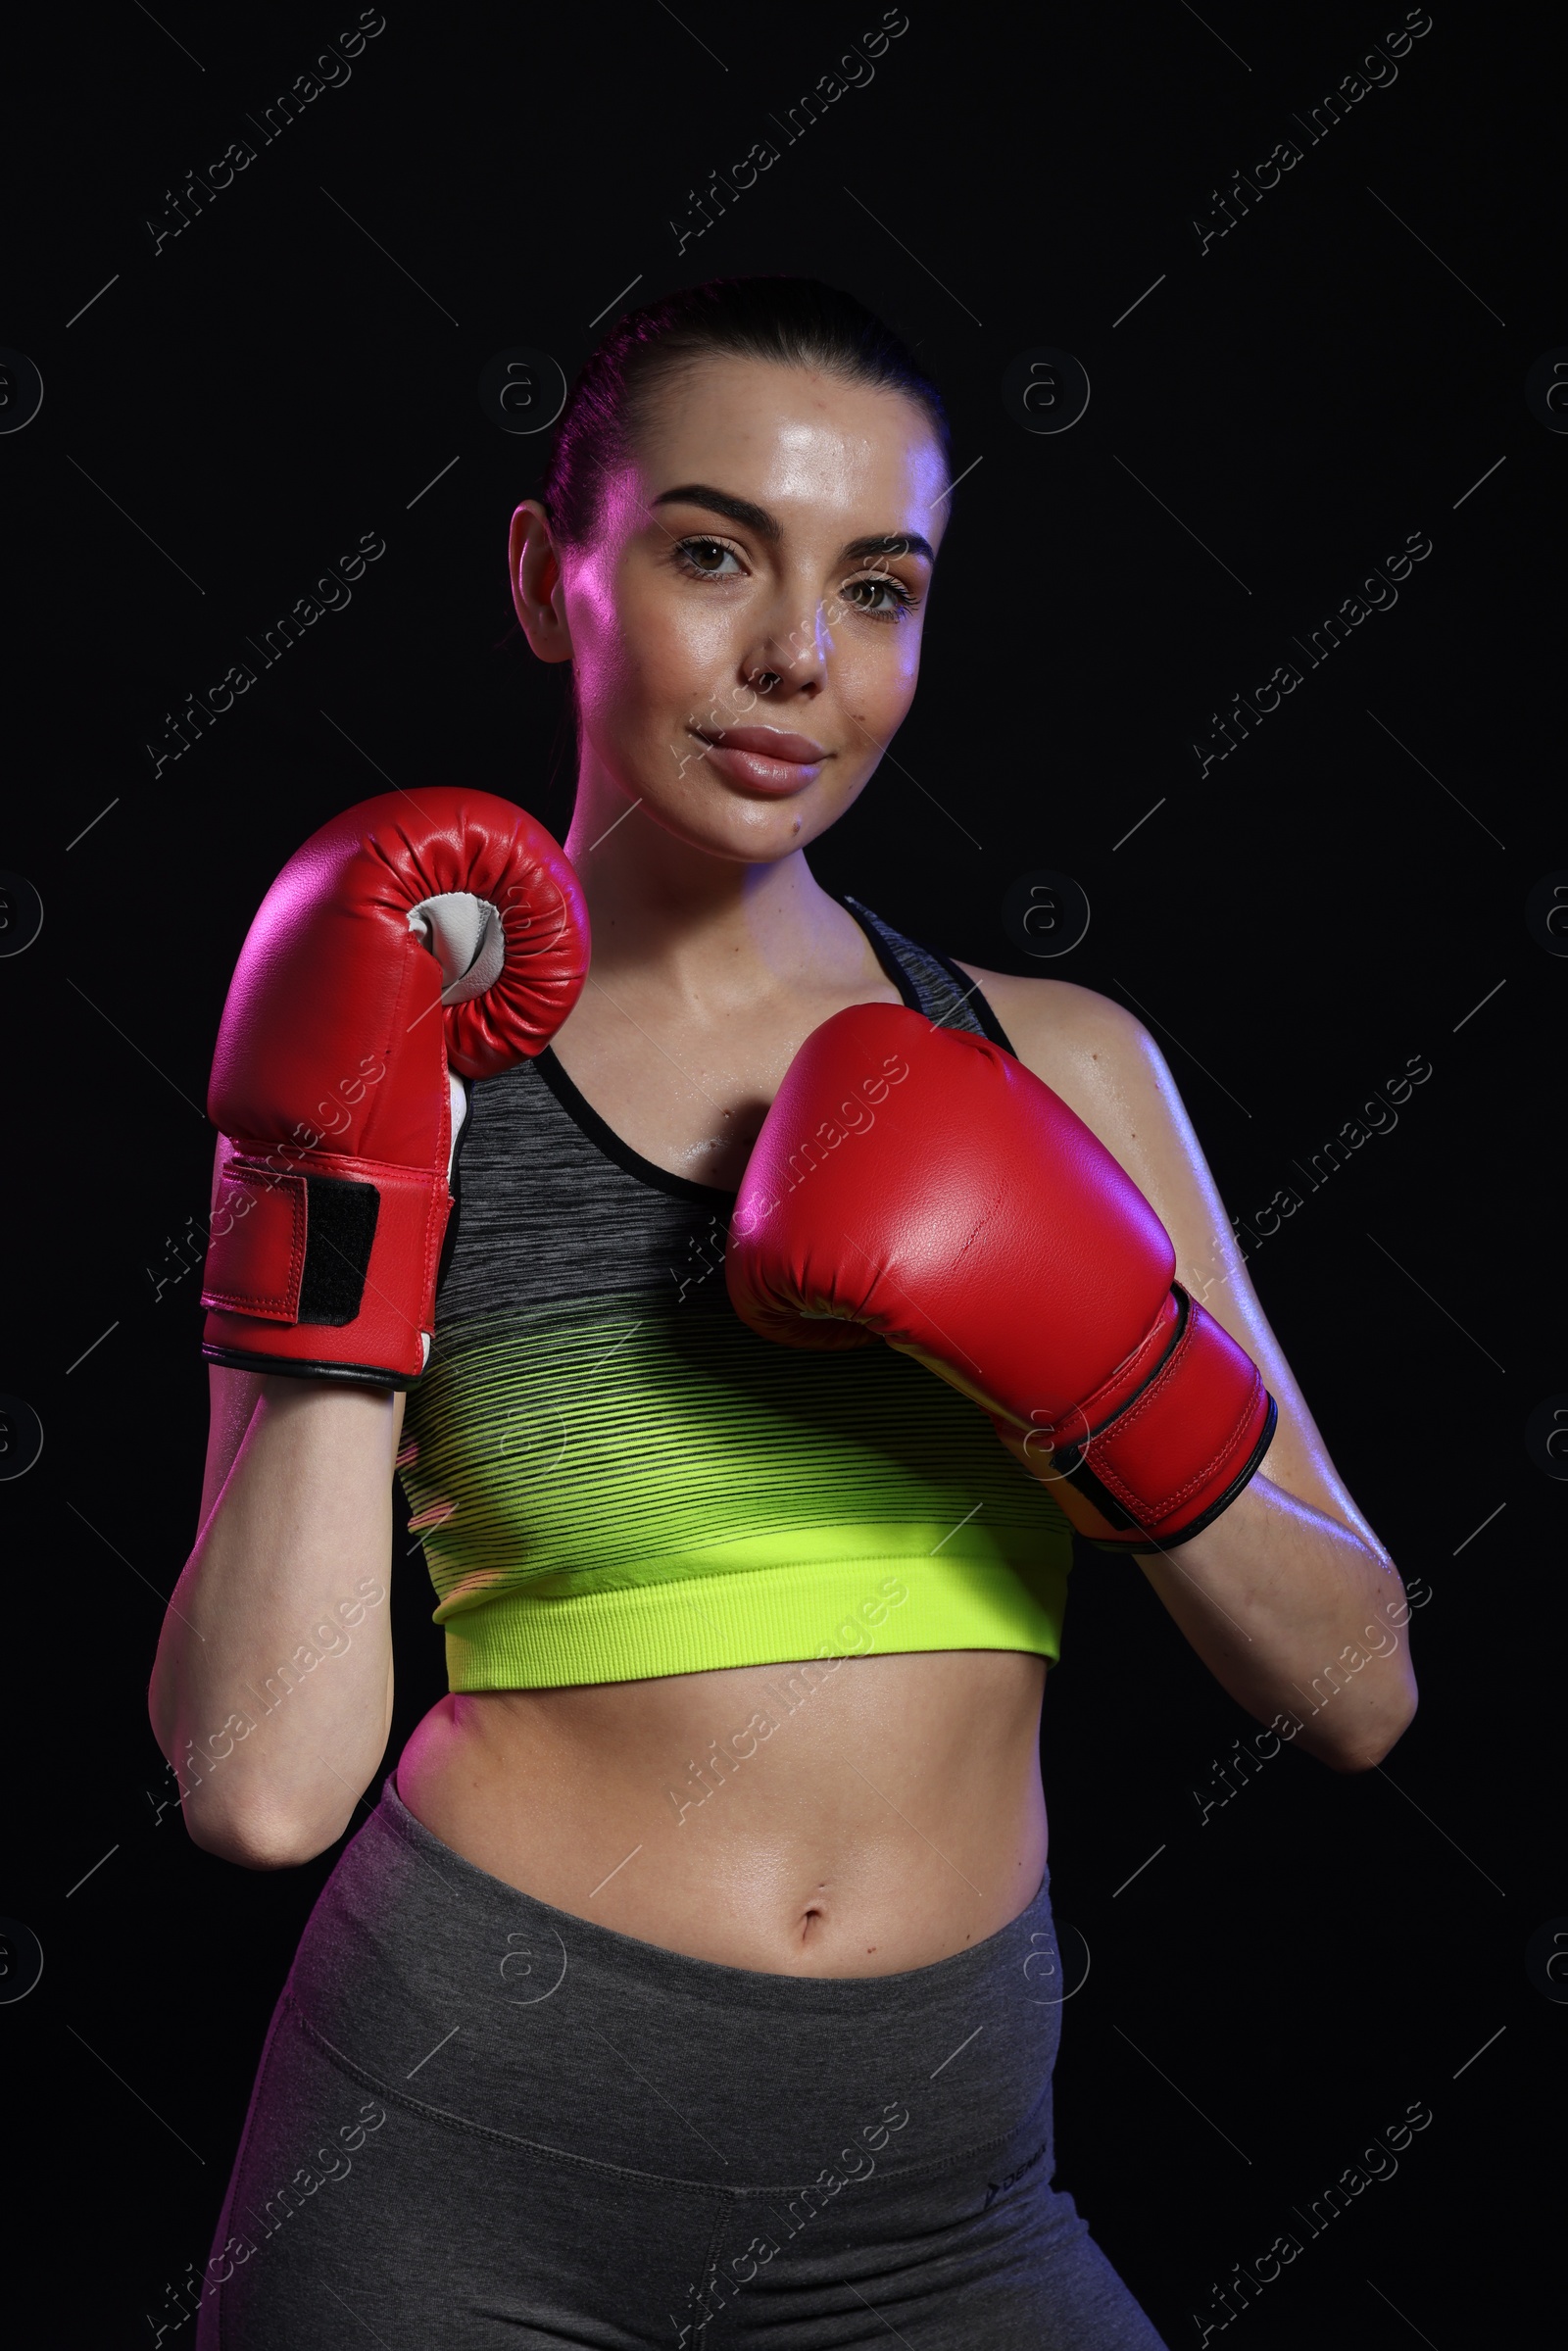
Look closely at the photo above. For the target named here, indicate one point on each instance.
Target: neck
(704, 927)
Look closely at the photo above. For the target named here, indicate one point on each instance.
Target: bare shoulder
(1104, 1064)
(1086, 1047)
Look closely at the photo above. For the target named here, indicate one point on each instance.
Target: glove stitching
(253, 1301)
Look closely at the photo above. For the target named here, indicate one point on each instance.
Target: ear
(536, 584)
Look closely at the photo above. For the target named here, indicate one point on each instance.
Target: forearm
(1293, 1614)
(270, 1695)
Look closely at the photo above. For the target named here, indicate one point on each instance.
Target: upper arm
(1107, 1068)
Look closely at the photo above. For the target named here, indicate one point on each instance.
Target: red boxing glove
(406, 939)
(918, 1184)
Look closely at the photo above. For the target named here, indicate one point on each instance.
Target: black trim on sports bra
(581, 1112)
(970, 991)
(584, 1116)
(879, 948)
(976, 997)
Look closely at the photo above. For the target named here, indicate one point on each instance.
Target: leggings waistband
(481, 2004)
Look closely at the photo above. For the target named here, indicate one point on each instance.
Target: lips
(762, 759)
(767, 742)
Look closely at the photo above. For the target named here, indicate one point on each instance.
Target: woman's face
(778, 524)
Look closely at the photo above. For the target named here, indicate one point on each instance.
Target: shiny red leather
(919, 1185)
(333, 1061)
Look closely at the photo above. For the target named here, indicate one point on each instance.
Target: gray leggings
(482, 2121)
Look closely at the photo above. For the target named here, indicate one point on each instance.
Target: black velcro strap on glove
(290, 1247)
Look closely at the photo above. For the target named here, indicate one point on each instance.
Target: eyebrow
(766, 526)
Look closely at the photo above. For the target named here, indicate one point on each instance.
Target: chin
(666, 775)
(758, 831)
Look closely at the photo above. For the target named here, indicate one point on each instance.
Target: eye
(702, 558)
(880, 595)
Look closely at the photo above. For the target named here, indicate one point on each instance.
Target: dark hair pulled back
(794, 321)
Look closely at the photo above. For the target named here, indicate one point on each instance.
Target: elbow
(1372, 1741)
(255, 1835)
(252, 1848)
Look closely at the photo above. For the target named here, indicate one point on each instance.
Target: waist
(855, 1816)
(437, 1985)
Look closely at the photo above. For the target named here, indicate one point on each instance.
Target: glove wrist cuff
(1187, 1423)
(314, 1259)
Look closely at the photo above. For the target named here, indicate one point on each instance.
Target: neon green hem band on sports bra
(694, 1615)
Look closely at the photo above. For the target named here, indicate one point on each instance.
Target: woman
(695, 1979)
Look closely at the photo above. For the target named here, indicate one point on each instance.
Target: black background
(1344, 892)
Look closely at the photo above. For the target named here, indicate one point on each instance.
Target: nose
(794, 663)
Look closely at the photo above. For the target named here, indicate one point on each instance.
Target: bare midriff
(892, 1816)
